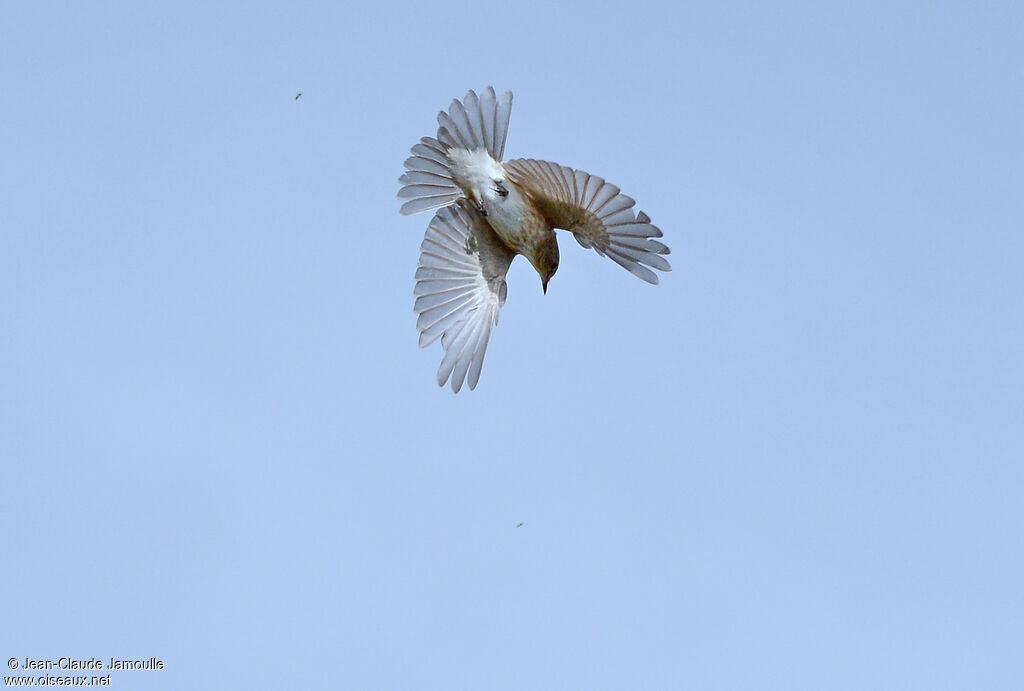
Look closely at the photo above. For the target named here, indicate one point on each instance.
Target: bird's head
(545, 260)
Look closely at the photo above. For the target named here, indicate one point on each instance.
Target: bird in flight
(490, 210)
(298, 96)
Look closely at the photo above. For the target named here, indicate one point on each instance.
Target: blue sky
(795, 464)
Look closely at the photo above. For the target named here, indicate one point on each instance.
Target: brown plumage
(491, 211)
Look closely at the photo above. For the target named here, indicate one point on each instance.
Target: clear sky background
(795, 464)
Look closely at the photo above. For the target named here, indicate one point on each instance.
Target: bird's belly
(515, 221)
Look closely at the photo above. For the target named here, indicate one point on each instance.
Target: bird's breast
(516, 221)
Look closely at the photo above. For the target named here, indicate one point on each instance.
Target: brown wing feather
(595, 212)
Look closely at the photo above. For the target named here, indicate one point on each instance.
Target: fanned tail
(428, 184)
(476, 122)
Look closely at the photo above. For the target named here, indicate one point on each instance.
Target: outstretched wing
(460, 286)
(596, 213)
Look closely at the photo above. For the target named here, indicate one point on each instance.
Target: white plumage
(492, 210)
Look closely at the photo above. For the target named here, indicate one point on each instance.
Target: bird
(519, 524)
(298, 96)
(489, 210)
